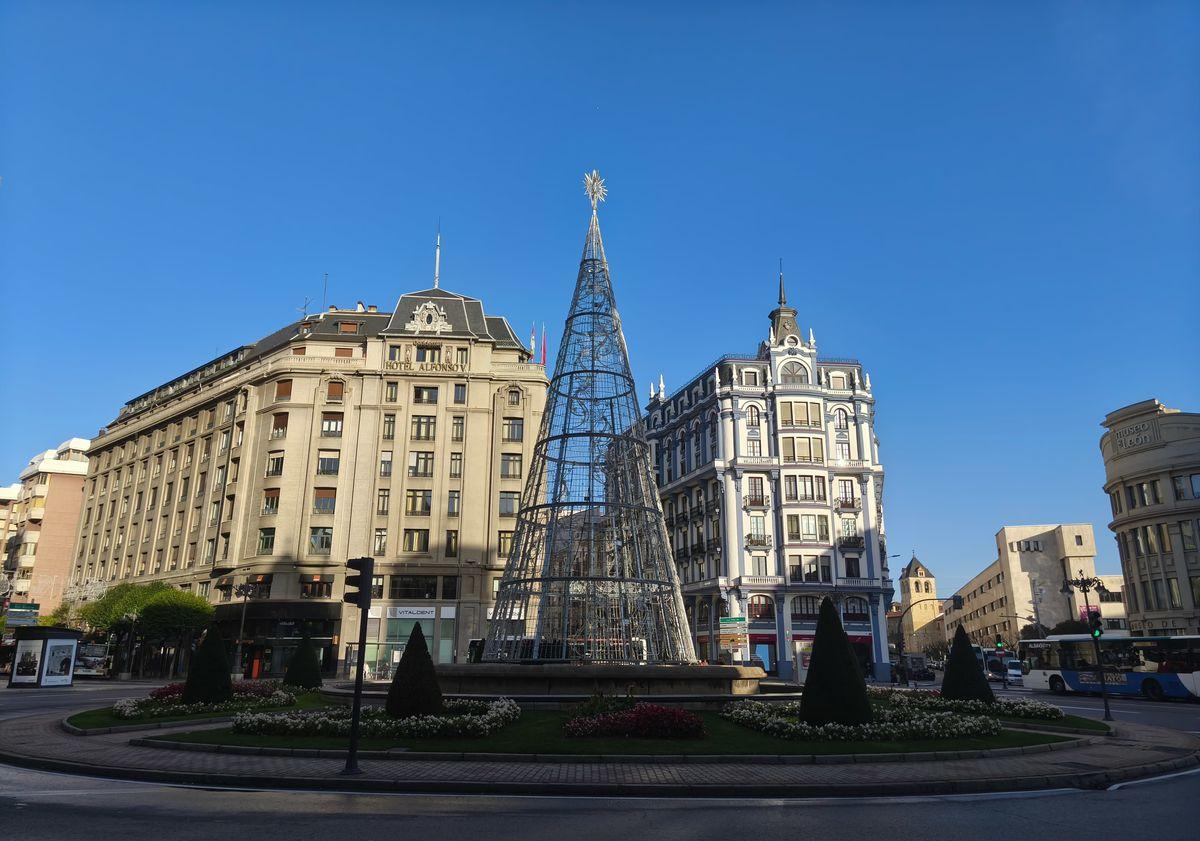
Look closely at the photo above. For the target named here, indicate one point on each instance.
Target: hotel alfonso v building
(769, 475)
(401, 435)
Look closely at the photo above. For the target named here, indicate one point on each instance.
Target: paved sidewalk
(1137, 751)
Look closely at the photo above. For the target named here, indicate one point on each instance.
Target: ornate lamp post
(127, 673)
(244, 592)
(1085, 584)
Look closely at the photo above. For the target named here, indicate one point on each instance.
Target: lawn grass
(1075, 722)
(541, 732)
(105, 717)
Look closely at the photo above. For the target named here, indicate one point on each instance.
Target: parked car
(923, 673)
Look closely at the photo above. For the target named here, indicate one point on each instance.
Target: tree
(1034, 631)
(414, 689)
(1070, 626)
(964, 679)
(208, 680)
(937, 649)
(834, 690)
(64, 616)
(172, 618)
(108, 612)
(304, 669)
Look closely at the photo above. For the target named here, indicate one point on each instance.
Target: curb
(637, 759)
(133, 728)
(1091, 780)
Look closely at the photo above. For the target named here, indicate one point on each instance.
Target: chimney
(360, 307)
(372, 308)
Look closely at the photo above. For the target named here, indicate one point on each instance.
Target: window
(750, 377)
(753, 418)
(416, 540)
(418, 502)
(843, 450)
(376, 586)
(320, 540)
(425, 394)
(391, 392)
(760, 608)
(1180, 485)
(283, 389)
(429, 354)
(335, 391)
(420, 464)
(510, 465)
(808, 527)
(504, 543)
(270, 501)
(279, 425)
(510, 501)
(458, 428)
(793, 373)
(395, 353)
(462, 356)
(266, 541)
(754, 447)
(460, 393)
(806, 607)
(840, 419)
(456, 465)
(324, 500)
(837, 381)
(453, 502)
(274, 468)
(852, 570)
(789, 488)
(452, 544)
(343, 352)
(328, 462)
(514, 399)
(348, 327)
(379, 543)
(514, 429)
(423, 427)
(331, 425)
(389, 427)
(856, 610)
(315, 589)
(793, 526)
(385, 463)
(412, 587)
(1187, 535)
(383, 501)
(1173, 592)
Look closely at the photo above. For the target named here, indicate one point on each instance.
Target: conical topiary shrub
(208, 680)
(834, 690)
(415, 689)
(304, 669)
(964, 679)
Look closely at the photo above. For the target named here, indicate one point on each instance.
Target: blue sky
(994, 206)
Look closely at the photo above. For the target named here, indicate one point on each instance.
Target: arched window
(856, 610)
(514, 397)
(705, 613)
(760, 608)
(752, 416)
(806, 607)
(793, 373)
(928, 588)
(840, 419)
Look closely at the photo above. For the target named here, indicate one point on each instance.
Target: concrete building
(40, 524)
(1112, 603)
(769, 475)
(1024, 582)
(8, 506)
(353, 432)
(1152, 477)
(920, 607)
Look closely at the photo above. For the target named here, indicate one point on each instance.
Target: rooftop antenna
(324, 292)
(304, 309)
(437, 257)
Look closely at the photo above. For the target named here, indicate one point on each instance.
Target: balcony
(851, 541)
(757, 501)
(845, 462)
(759, 581)
(849, 503)
(698, 548)
(670, 519)
(758, 541)
(860, 583)
(696, 512)
(713, 545)
(681, 554)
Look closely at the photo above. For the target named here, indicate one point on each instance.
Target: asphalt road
(1178, 715)
(82, 694)
(36, 806)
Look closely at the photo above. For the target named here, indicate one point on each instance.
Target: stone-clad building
(769, 475)
(1152, 477)
(921, 608)
(352, 432)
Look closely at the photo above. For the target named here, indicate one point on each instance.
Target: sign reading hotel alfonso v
(405, 366)
(1134, 436)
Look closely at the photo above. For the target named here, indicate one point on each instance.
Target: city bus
(1155, 667)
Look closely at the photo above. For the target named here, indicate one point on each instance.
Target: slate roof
(465, 316)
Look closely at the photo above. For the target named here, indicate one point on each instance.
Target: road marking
(1159, 778)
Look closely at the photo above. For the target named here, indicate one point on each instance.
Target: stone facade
(920, 607)
(1032, 561)
(769, 475)
(352, 432)
(1152, 477)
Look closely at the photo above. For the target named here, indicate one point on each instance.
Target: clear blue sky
(993, 205)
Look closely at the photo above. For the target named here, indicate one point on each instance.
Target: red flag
(543, 344)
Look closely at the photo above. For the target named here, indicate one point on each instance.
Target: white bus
(1155, 667)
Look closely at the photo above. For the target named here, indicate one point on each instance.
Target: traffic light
(1096, 624)
(999, 642)
(358, 587)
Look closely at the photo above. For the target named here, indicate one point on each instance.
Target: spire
(783, 317)
(812, 340)
(782, 294)
(437, 257)
(662, 389)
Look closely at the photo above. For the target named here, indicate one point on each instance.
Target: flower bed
(168, 700)
(642, 721)
(934, 702)
(908, 724)
(463, 719)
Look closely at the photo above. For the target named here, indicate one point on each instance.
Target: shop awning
(313, 579)
(222, 583)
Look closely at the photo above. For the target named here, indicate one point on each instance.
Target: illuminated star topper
(594, 185)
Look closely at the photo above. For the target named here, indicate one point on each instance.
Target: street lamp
(244, 592)
(1085, 584)
(131, 618)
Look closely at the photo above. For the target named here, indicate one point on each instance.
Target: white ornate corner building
(768, 470)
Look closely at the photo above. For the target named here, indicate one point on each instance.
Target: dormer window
(750, 377)
(348, 327)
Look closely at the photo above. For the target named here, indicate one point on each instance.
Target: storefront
(273, 630)
(389, 628)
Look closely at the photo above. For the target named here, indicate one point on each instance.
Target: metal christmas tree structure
(590, 578)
